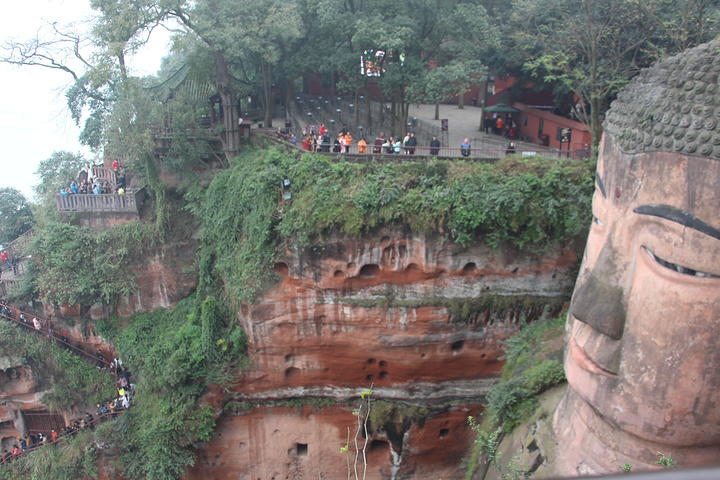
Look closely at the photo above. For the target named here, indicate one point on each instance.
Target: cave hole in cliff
(281, 268)
(385, 239)
(351, 266)
(444, 432)
(469, 268)
(292, 373)
(379, 445)
(301, 449)
(483, 355)
(339, 274)
(515, 270)
(412, 267)
(383, 364)
(457, 346)
(370, 377)
(554, 276)
(371, 361)
(383, 375)
(288, 358)
(370, 270)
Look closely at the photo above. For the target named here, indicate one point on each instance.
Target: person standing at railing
(362, 146)
(465, 148)
(37, 324)
(343, 143)
(397, 146)
(412, 142)
(406, 142)
(434, 146)
(379, 143)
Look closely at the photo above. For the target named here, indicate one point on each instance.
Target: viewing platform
(128, 202)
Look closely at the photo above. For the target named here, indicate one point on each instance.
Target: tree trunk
(437, 110)
(482, 98)
(357, 106)
(394, 116)
(368, 112)
(289, 85)
(461, 100)
(595, 121)
(382, 110)
(267, 90)
(405, 110)
(231, 136)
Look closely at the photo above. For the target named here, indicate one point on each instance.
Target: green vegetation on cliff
(527, 202)
(174, 355)
(75, 382)
(74, 264)
(533, 364)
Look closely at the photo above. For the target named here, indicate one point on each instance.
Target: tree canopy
(16, 217)
(425, 50)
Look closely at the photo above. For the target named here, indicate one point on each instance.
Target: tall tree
(593, 47)
(16, 216)
(55, 173)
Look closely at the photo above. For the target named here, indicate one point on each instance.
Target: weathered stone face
(641, 341)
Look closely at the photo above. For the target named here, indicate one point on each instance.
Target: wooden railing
(105, 174)
(128, 202)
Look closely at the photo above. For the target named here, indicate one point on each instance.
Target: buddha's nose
(598, 301)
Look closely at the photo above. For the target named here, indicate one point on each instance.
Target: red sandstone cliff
(420, 319)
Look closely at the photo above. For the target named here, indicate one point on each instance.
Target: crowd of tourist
(316, 138)
(124, 386)
(501, 126)
(88, 183)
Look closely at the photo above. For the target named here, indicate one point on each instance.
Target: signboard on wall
(564, 134)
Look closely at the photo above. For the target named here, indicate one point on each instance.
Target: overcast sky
(34, 120)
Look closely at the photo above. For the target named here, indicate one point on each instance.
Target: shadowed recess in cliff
(485, 309)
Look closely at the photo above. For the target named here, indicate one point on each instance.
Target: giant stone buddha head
(642, 340)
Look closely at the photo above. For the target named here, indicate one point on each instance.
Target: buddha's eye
(679, 268)
(597, 221)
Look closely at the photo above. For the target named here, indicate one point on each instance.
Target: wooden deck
(128, 202)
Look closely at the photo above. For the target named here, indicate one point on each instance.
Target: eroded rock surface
(419, 319)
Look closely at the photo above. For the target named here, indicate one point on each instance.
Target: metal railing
(61, 340)
(62, 438)
(65, 343)
(422, 152)
(128, 202)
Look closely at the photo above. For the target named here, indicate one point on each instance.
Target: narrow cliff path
(14, 315)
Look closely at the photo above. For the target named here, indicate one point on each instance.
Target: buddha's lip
(583, 360)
